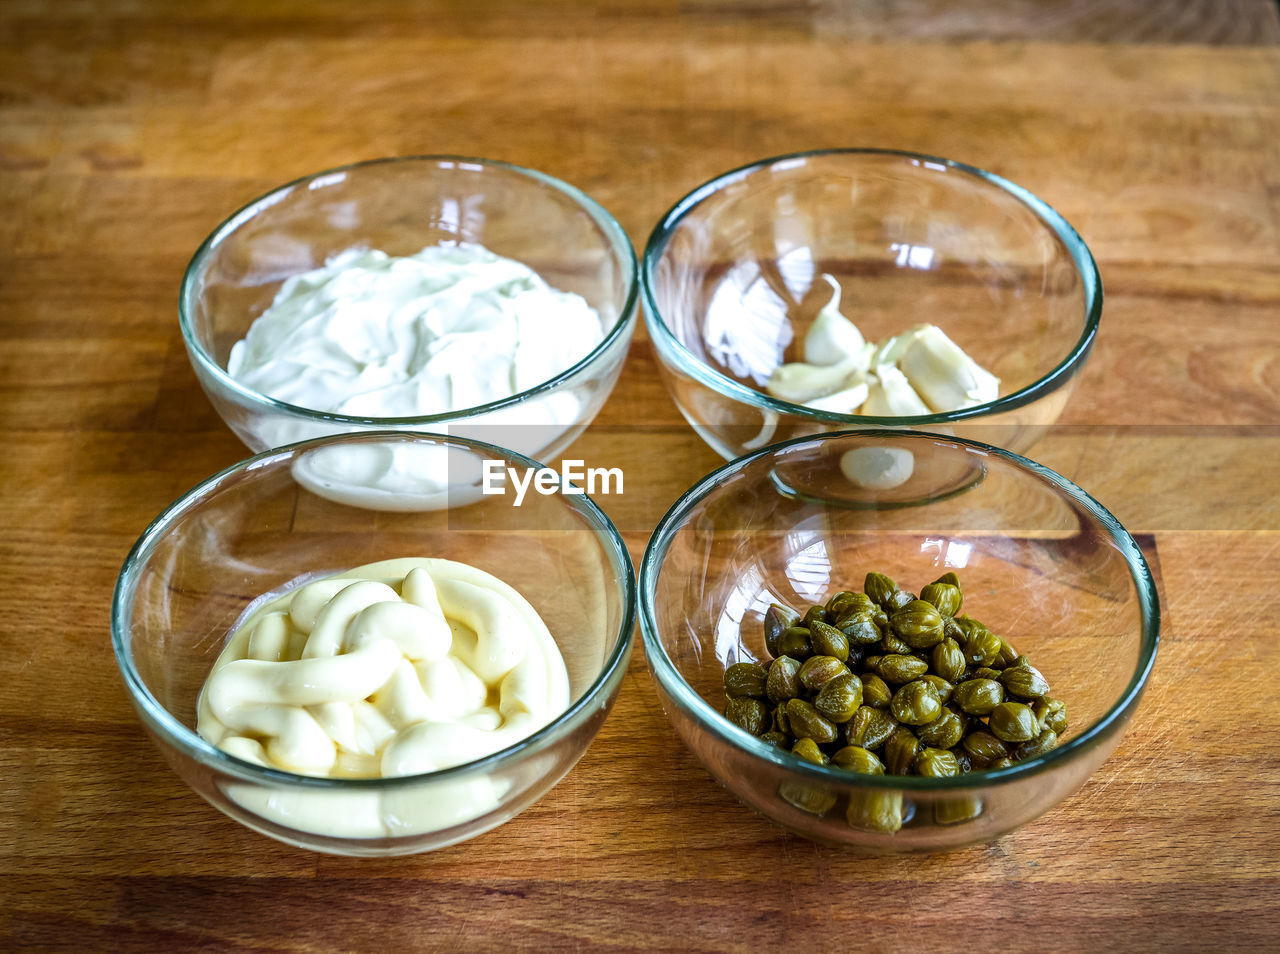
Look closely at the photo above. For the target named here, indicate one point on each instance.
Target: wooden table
(127, 130)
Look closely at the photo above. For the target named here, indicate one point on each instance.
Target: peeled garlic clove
(832, 337)
(946, 377)
(847, 400)
(890, 350)
(799, 382)
(891, 395)
(861, 359)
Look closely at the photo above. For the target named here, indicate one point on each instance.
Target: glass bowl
(1040, 562)
(400, 206)
(732, 279)
(253, 529)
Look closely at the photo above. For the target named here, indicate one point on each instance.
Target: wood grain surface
(129, 129)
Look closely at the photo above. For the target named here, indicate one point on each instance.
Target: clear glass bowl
(252, 530)
(401, 206)
(732, 281)
(1040, 562)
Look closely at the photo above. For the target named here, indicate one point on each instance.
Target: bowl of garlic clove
(868, 288)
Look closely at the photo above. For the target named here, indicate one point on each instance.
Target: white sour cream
(394, 668)
(445, 330)
(450, 328)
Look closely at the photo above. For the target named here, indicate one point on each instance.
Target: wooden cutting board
(127, 130)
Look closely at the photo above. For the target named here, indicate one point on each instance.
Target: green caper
(945, 596)
(897, 668)
(808, 750)
(840, 698)
(940, 686)
(977, 697)
(1013, 722)
(900, 751)
(918, 624)
(838, 600)
(1050, 713)
(808, 797)
(817, 671)
(984, 748)
(875, 691)
(778, 720)
(910, 678)
(814, 614)
(783, 680)
(943, 732)
(776, 619)
(1046, 741)
(851, 606)
(890, 643)
(828, 641)
(916, 703)
(860, 631)
(857, 759)
(794, 642)
(869, 727)
(749, 714)
(981, 647)
(879, 588)
(875, 811)
(936, 763)
(745, 679)
(899, 600)
(1007, 654)
(1024, 681)
(952, 811)
(948, 660)
(807, 723)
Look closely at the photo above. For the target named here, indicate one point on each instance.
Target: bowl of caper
(890, 676)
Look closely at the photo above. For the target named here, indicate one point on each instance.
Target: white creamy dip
(394, 668)
(445, 330)
(450, 328)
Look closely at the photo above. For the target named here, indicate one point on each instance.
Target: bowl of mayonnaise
(372, 684)
(437, 294)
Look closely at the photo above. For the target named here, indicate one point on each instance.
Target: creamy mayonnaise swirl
(390, 669)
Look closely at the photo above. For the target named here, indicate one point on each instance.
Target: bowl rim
(188, 295)
(190, 743)
(672, 349)
(683, 695)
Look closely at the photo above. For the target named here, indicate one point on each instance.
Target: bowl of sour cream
(438, 294)
(372, 686)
